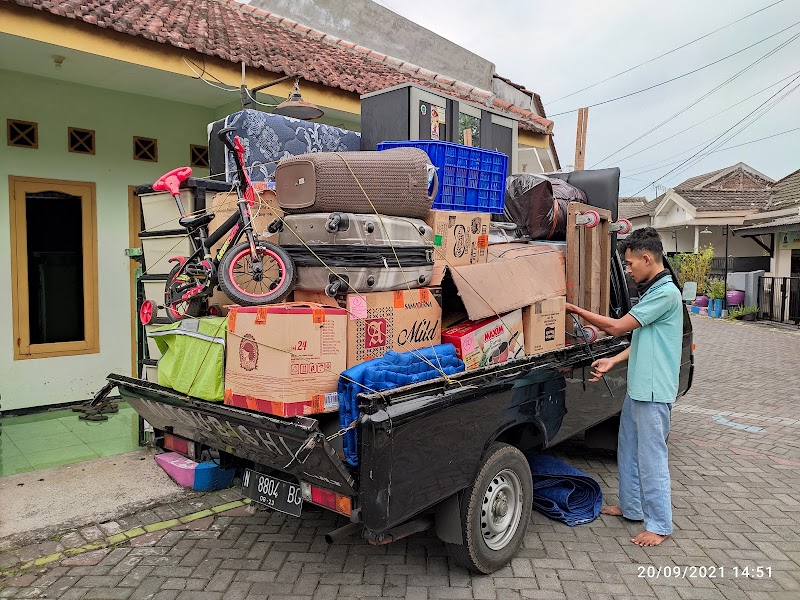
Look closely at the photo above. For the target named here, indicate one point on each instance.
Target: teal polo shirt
(655, 360)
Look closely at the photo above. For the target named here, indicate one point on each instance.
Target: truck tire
(495, 511)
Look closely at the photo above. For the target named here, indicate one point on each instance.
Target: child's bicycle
(251, 273)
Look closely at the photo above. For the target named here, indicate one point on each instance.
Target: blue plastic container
(470, 179)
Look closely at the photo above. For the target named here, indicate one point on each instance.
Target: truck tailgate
(294, 445)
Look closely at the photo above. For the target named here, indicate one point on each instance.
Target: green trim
(120, 538)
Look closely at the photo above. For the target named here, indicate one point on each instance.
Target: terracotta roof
(241, 33)
(647, 210)
(722, 200)
(775, 223)
(697, 180)
(786, 192)
(737, 177)
(629, 205)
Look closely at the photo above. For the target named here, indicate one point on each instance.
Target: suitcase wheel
(337, 222)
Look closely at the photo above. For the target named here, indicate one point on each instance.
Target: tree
(694, 267)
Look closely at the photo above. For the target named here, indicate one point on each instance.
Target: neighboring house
(631, 205)
(99, 97)
(779, 226)
(704, 209)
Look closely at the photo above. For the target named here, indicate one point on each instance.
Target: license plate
(273, 493)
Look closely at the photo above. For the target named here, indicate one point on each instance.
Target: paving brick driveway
(735, 460)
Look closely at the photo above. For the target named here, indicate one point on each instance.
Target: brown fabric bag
(395, 180)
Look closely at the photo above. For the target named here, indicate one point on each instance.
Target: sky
(556, 47)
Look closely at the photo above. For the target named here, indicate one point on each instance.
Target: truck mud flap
(295, 445)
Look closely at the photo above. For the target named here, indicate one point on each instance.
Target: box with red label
(459, 238)
(377, 322)
(543, 325)
(489, 341)
(285, 359)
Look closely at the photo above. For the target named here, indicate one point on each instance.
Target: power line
(722, 134)
(778, 48)
(566, 112)
(764, 111)
(761, 91)
(702, 37)
(707, 153)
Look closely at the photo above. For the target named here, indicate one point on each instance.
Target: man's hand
(571, 308)
(602, 366)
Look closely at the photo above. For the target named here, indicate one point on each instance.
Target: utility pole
(580, 140)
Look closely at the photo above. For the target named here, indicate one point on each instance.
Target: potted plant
(716, 292)
(689, 266)
(744, 313)
(735, 297)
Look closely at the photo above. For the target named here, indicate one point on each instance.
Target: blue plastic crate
(470, 179)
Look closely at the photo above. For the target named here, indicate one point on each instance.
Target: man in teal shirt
(654, 358)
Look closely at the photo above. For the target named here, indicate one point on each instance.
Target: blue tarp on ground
(390, 371)
(562, 492)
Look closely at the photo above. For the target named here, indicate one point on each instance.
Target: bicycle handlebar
(222, 134)
(171, 182)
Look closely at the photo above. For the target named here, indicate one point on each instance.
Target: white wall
(116, 118)
(737, 245)
(782, 264)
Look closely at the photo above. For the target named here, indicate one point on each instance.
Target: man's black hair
(644, 240)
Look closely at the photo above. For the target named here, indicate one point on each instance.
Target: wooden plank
(588, 267)
(605, 267)
(572, 266)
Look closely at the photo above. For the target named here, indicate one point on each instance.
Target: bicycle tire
(275, 292)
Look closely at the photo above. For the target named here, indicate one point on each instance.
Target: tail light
(330, 500)
(179, 445)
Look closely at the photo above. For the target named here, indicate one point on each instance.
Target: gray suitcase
(346, 252)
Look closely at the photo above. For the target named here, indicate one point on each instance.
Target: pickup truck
(440, 454)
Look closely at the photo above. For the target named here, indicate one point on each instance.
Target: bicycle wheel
(246, 288)
(183, 308)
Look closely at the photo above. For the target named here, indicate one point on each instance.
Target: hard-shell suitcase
(399, 182)
(340, 252)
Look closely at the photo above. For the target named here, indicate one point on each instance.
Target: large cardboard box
(516, 276)
(543, 324)
(264, 211)
(488, 341)
(285, 359)
(377, 322)
(459, 238)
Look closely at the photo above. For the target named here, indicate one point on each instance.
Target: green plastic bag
(193, 357)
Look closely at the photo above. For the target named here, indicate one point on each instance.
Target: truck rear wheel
(495, 511)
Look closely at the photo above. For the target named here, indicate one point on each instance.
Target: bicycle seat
(193, 222)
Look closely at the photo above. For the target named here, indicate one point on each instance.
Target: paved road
(735, 462)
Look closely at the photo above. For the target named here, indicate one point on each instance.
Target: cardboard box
(543, 324)
(459, 238)
(285, 359)
(489, 341)
(263, 212)
(377, 322)
(515, 276)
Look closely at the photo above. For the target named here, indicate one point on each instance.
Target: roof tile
(242, 33)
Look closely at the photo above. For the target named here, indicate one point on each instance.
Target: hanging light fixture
(294, 106)
(297, 108)
(706, 230)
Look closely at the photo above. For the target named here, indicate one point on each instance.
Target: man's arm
(622, 356)
(610, 325)
(603, 365)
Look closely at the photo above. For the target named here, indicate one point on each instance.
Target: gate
(779, 299)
